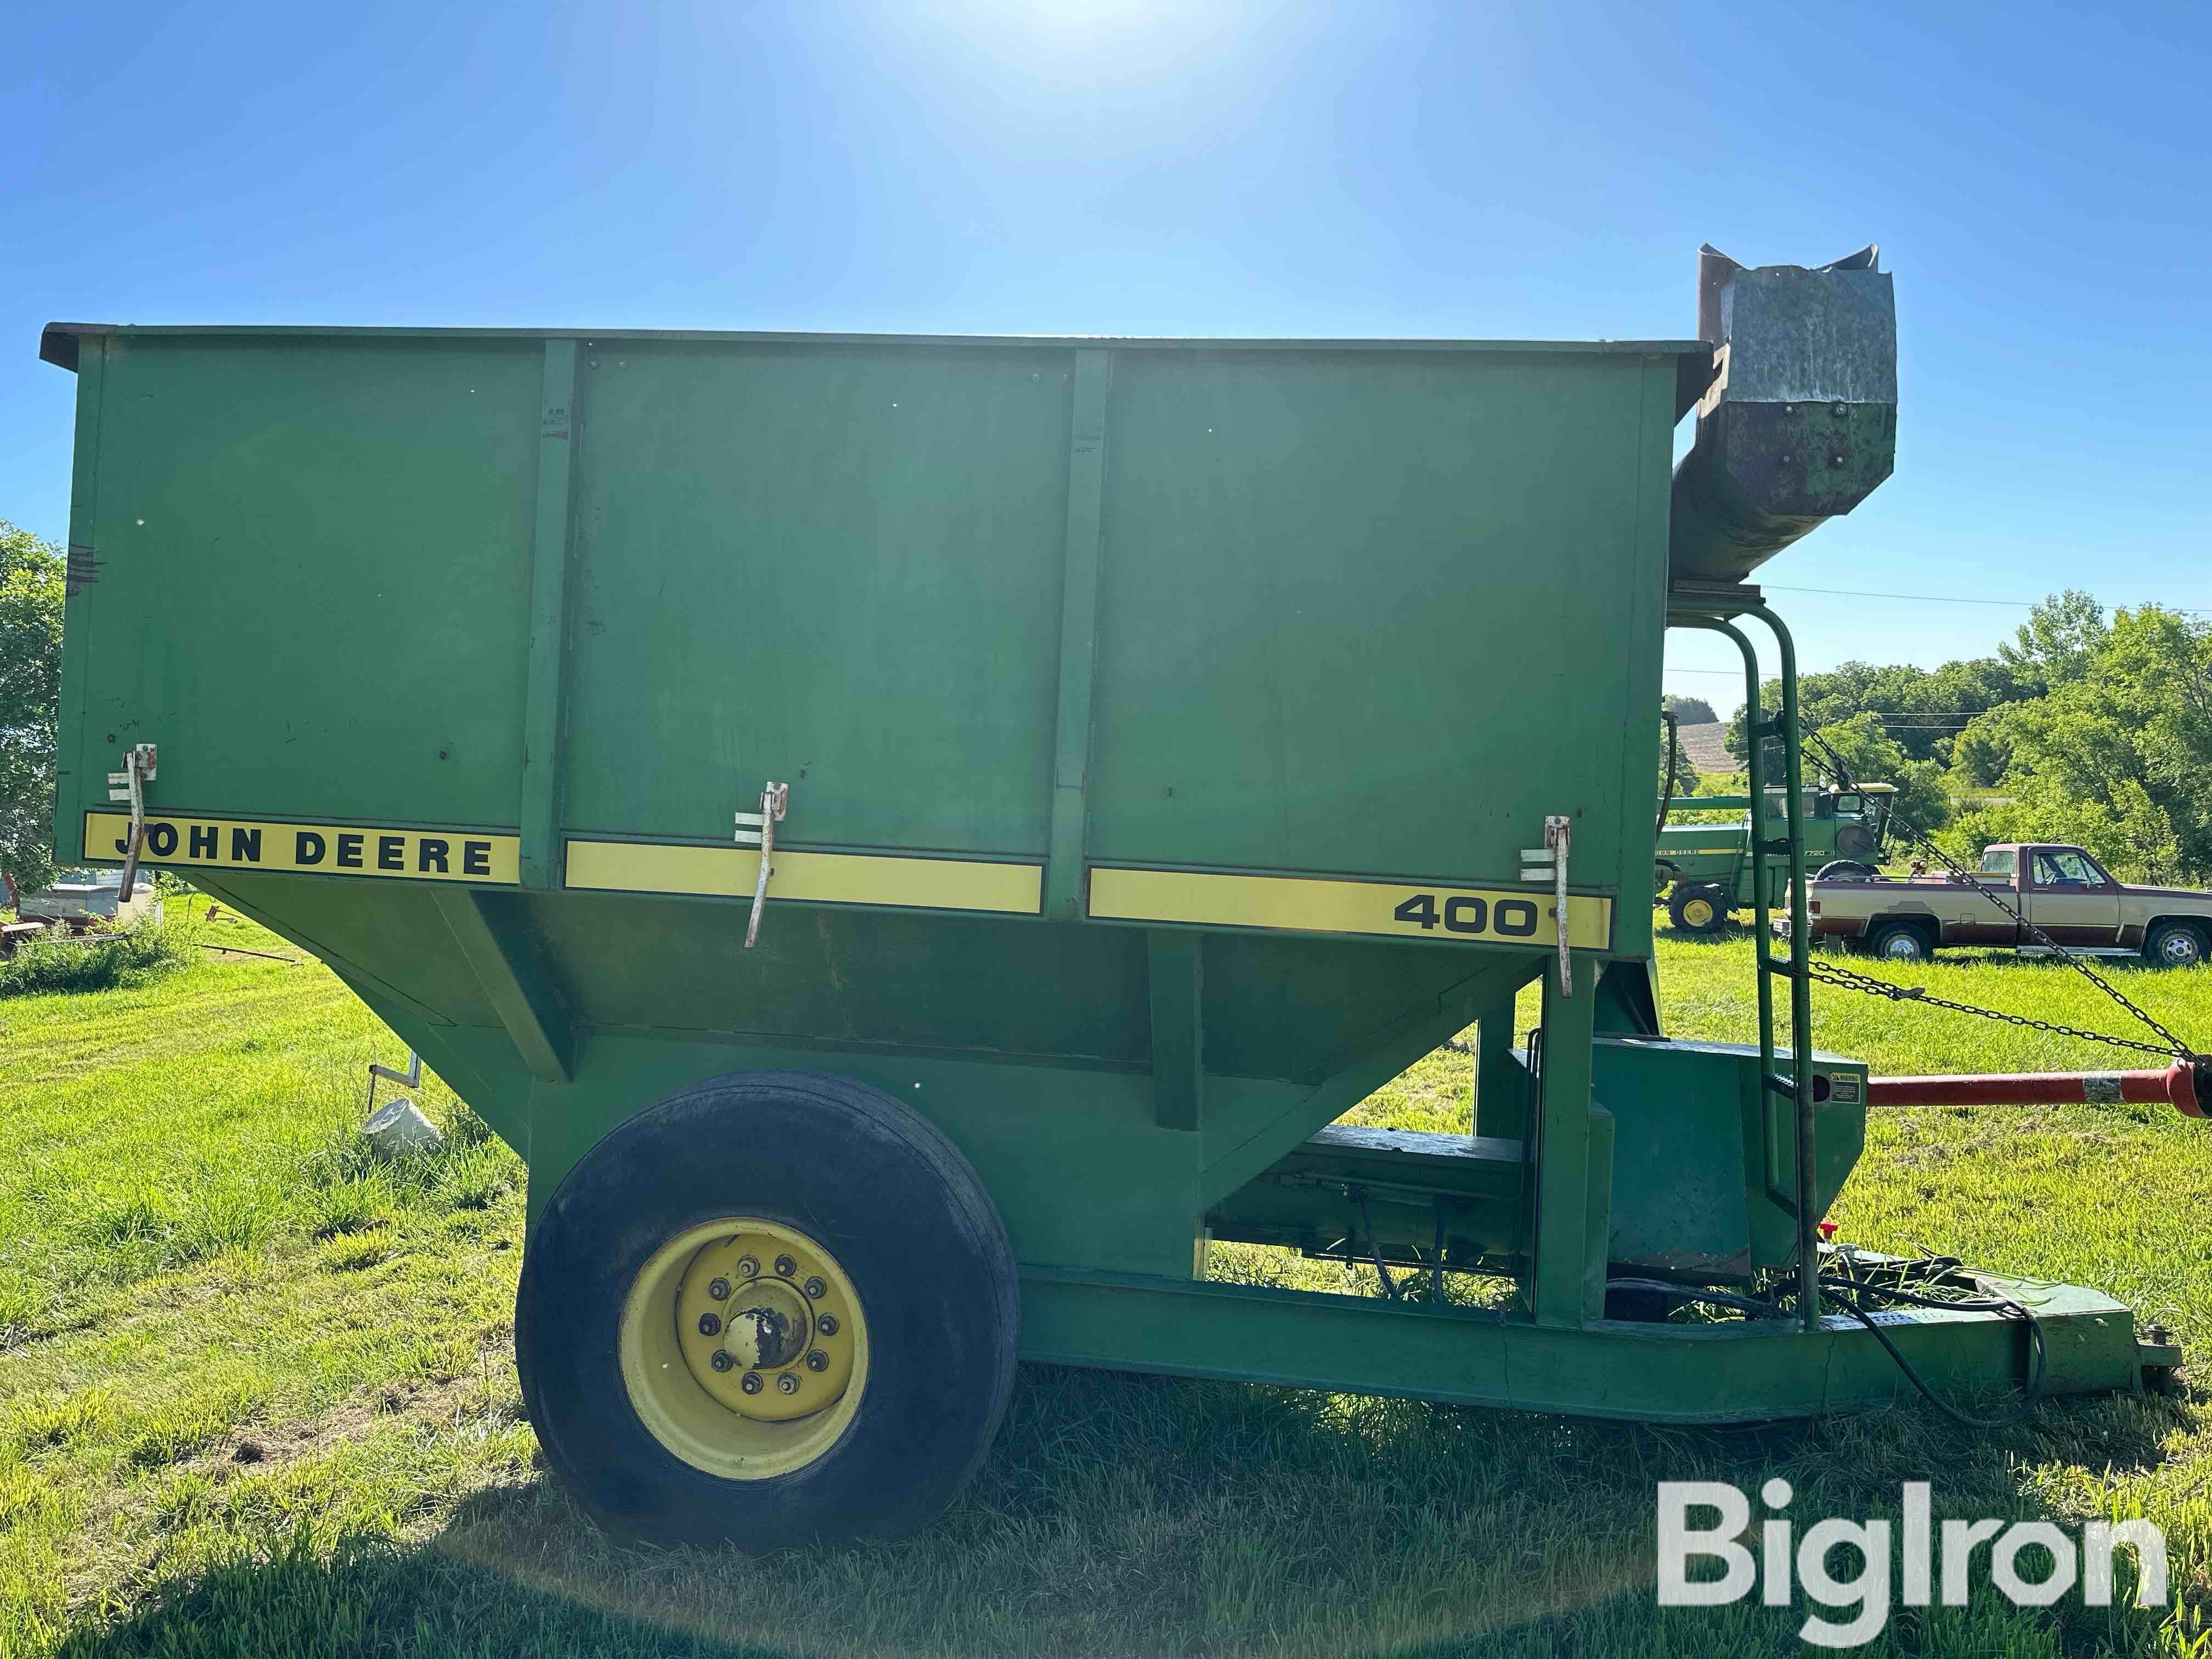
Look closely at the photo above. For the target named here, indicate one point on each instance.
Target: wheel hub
(782, 1330)
(744, 1348)
(770, 1330)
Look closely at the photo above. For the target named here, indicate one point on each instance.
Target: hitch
(2185, 1085)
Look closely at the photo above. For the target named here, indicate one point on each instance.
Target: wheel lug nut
(785, 1266)
(815, 1289)
(748, 1267)
(719, 1289)
(710, 1324)
(722, 1361)
(786, 1384)
(818, 1361)
(827, 1324)
(752, 1382)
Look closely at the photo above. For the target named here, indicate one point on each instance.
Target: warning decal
(322, 849)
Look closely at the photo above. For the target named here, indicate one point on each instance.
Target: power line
(1941, 599)
(1925, 598)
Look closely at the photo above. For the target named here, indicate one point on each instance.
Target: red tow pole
(2177, 1085)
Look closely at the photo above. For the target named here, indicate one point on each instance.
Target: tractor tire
(1900, 941)
(1845, 870)
(2175, 944)
(1698, 907)
(775, 1309)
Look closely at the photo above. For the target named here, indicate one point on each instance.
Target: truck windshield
(2000, 861)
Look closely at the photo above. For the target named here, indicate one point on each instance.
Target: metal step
(2081, 951)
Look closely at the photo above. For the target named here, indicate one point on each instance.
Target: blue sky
(2036, 176)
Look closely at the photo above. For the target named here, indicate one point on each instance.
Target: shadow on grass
(1732, 931)
(1122, 1514)
(367, 1596)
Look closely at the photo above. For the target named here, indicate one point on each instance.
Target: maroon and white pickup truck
(2061, 890)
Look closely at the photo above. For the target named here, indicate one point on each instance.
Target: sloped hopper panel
(1800, 423)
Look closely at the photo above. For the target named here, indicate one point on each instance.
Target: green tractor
(1705, 871)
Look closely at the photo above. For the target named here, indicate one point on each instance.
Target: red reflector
(1813, 907)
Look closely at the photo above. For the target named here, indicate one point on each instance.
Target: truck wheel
(1900, 941)
(2174, 944)
(1698, 909)
(776, 1309)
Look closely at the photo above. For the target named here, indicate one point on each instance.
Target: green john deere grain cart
(1705, 871)
(912, 837)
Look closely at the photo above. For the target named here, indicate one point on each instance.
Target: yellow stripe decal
(323, 849)
(621, 866)
(1389, 909)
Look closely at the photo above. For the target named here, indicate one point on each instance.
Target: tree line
(2085, 726)
(30, 697)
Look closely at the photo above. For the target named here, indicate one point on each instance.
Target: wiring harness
(1864, 1287)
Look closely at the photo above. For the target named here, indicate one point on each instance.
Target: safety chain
(2174, 1045)
(1852, 979)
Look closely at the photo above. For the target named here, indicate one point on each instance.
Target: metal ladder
(1784, 855)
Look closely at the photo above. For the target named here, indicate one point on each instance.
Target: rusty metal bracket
(758, 829)
(1549, 863)
(1557, 831)
(129, 785)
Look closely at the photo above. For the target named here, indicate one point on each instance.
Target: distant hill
(1705, 749)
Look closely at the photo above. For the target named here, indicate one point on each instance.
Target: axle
(2182, 1084)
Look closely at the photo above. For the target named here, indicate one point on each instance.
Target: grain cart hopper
(1151, 747)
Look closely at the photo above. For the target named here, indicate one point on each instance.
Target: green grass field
(258, 1396)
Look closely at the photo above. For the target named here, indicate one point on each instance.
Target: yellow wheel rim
(1698, 912)
(744, 1348)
